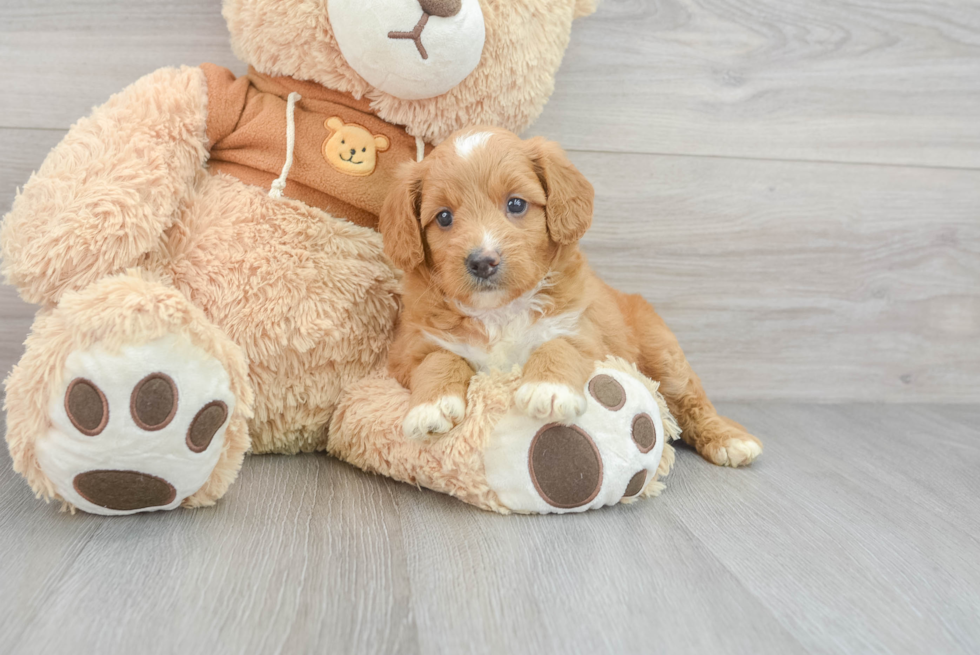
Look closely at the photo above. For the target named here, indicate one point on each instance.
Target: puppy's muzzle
(483, 265)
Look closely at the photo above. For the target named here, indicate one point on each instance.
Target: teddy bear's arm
(106, 193)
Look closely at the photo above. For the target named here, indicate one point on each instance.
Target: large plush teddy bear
(203, 251)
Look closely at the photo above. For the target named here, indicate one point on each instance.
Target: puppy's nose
(442, 8)
(483, 264)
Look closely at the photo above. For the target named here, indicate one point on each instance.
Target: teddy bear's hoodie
(247, 131)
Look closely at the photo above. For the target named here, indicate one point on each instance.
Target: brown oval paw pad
(205, 425)
(636, 484)
(608, 392)
(644, 432)
(154, 402)
(124, 491)
(565, 466)
(87, 407)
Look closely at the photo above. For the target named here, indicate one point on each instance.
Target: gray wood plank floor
(794, 183)
(858, 532)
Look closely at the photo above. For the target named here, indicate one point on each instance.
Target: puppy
(486, 229)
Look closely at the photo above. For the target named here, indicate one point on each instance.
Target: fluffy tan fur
(311, 300)
(449, 310)
(307, 301)
(525, 40)
(313, 308)
(366, 431)
(117, 181)
(115, 312)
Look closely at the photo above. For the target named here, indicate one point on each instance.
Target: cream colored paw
(548, 401)
(138, 430)
(734, 452)
(434, 418)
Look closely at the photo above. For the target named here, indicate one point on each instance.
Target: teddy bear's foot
(128, 400)
(612, 453)
(139, 430)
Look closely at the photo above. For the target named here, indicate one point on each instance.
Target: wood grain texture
(786, 280)
(21, 153)
(848, 536)
(800, 280)
(71, 56)
(827, 80)
(857, 80)
(856, 532)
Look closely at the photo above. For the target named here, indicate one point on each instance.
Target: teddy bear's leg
(716, 438)
(615, 452)
(503, 460)
(128, 399)
(105, 195)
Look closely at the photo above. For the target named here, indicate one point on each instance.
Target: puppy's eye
(517, 206)
(444, 218)
(342, 142)
(363, 149)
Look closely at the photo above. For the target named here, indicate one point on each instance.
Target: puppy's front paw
(549, 401)
(735, 451)
(434, 418)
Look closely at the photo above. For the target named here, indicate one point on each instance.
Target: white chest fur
(513, 333)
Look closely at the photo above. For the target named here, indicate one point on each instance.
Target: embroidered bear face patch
(351, 149)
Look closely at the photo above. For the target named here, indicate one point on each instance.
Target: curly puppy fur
(518, 209)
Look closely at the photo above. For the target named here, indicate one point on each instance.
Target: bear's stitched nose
(441, 8)
(353, 151)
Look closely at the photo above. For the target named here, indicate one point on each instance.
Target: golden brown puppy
(486, 229)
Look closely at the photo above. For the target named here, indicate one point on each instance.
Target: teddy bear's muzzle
(441, 8)
(410, 49)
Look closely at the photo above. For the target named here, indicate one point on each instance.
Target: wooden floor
(794, 183)
(858, 532)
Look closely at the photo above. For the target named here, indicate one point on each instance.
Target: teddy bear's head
(432, 65)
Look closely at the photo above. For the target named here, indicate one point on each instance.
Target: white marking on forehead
(490, 243)
(469, 142)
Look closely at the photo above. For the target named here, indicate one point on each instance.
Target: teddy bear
(203, 251)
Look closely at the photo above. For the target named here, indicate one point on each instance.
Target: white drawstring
(280, 184)
(419, 149)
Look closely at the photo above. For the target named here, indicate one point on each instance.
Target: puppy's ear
(570, 195)
(399, 221)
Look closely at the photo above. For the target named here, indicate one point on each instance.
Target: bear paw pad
(606, 454)
(137, 430)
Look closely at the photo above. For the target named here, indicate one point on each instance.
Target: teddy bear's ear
(570, 195)
(381, 142)
(400, 223)
(334, 123)
(585, 7)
